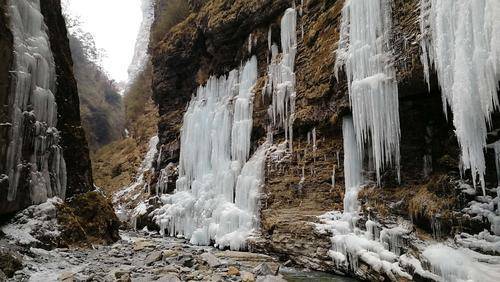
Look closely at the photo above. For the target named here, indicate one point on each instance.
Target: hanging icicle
(281, 76)
(461, 41)
(366, 57)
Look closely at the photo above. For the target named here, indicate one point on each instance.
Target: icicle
(216, 197)
(282, 76)
(314, 140)
(333, 177)
(352, 166)
(243, 110)
(461, 40)
(250, 43)
(33, 85)
(365, 55)
(496, 147)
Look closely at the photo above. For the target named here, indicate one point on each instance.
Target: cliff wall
(215, 39)
(73, 142)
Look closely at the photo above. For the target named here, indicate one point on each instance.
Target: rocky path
(140, 256)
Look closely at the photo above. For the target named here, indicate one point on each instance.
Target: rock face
(214, 40)
(78, 167)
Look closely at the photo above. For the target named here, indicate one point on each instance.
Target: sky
(114, 24)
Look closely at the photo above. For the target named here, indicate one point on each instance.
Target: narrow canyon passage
(236, 140)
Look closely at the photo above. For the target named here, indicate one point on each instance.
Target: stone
(233, 271)
(122, 275)
(247, 276)
(170, 253)
(263, 270)
(166, 269)
(140, 245)
(169, 277)
(153, 257)
(66, 277)
(186, 260)
(210, 259)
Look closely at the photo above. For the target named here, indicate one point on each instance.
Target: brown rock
(233, 271)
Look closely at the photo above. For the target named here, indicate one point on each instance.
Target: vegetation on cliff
(101, 105)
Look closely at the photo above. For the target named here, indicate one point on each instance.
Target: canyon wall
(221, 35)
(78, 175)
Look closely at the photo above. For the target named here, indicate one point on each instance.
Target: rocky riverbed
(144, 256)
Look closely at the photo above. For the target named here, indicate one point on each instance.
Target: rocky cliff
(72, 137)
(220, 35)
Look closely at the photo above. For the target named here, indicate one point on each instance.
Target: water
(296, 275)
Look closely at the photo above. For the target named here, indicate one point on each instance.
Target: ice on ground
(461, 264)
(34, 222)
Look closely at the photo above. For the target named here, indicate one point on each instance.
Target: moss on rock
(88, 219)
(9, 264)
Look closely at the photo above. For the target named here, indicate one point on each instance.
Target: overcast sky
(114, 24)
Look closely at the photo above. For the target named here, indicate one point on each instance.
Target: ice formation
(365, 55)
(139, 186)
(141, 55)
(377, 247)
(352, 167)
(216, 197)
(33, 110)
(461, 41)
(37, 221)
(281, 76)
(462, 264)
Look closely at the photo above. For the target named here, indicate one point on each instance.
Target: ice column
(281, 76)
(352, 166)
(366, 57)
(216, 197)
(34, 140)
(461, 41)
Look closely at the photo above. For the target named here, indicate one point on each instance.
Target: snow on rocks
(460, 264)
(128, 205)
(33, 223)
(167, 258)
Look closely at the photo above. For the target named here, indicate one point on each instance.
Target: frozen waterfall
(365, 55)
(216, 197)
(352, 167)
(461, 41)
(281, 76)
(34, 139)
(141, 55)
(377, 247)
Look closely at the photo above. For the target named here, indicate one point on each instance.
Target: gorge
(264, 139)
